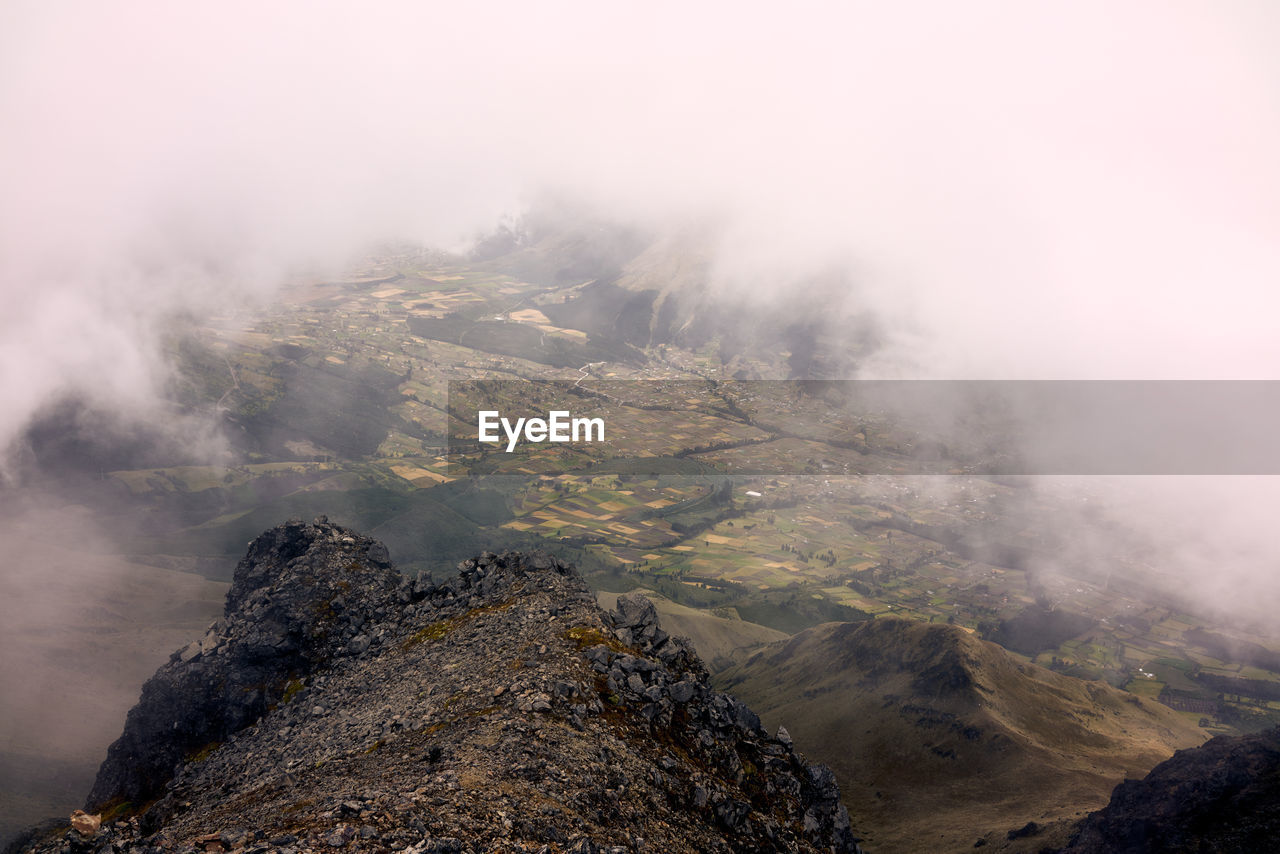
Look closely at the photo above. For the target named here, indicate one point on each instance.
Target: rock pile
(338, 705)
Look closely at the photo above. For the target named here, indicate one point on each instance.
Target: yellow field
(416, 475)
(529, 315)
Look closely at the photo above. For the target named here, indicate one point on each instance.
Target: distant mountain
(630, 288)
(340, 705)
(1221, 797)
(944, 742)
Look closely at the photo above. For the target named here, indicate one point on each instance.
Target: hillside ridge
(942, 740)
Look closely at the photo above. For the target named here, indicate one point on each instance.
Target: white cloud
(1085, 190)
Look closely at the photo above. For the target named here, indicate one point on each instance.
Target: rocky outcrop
(301, 595)
(339, 705)
(1223, 796)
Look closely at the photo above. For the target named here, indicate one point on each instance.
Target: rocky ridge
(1221, 796)
(340, 705)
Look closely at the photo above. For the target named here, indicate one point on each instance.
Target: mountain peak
(936, 659)
(340, 704)
(910, 713)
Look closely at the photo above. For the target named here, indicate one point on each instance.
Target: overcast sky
(1084, 189)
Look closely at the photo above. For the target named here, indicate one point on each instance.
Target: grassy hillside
(716, 638)
(940, 739)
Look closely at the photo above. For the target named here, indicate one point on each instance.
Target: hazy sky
(1036, 190)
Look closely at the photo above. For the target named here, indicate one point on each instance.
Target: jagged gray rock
(299, 594)
(337, 705)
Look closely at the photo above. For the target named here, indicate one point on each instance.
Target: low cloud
(1011, 189)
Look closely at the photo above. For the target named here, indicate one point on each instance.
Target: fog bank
(1083, 191)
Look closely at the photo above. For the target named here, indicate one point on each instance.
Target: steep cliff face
(299, 598)
(1223, 796)
(340, 705)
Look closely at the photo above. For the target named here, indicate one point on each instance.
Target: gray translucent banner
(652, 427)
